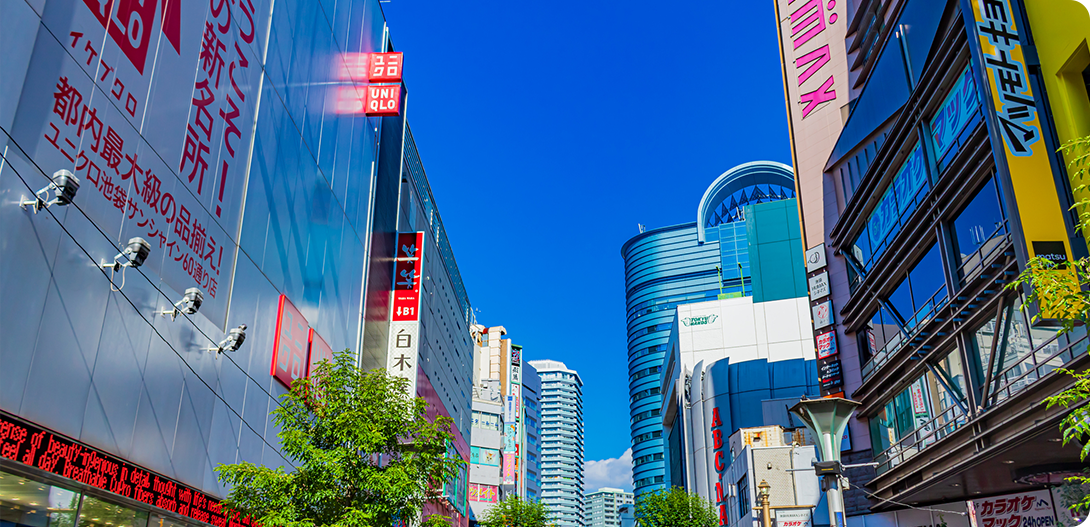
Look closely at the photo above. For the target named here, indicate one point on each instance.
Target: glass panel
(959, 108)
(162, 521)
(100, 513)
(882, 432)
(979, 226)
(25, 502)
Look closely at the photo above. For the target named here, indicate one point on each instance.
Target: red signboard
(23, 442)
(290, 345)
(383, 101)
(408, 273)
(385, 67)
(319, 351)
(826, 344)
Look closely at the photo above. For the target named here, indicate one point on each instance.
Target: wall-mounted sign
(383, 101)
(826, 344)
(319, 351)
(699, 321)
(385, 67)
(1026, 508)
(720, 463)
(819, 285)
(408, 271)
(829, 374)
(792, 517)
(815, 258)
(23, 442)
(484, 493)
(291, 344)
(823, 314)
(1054, 252)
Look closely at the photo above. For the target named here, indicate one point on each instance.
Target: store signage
(897, 200)
(291, 344)
(408, 276)
(1026, 509)
(810, 48)
(484, 456)
(385, 67)
(319, 351)
(957, 111)
(815, 258)
(720, 462)
(826, 344)
(819, 286)
(792, 517)
(26, 443)
(829, 374)
(1053, 252)
(383, 101)
(699, 321)
(508, 468)
(484, 493)
(1014, 118)
(823, 314)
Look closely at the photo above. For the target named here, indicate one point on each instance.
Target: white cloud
(614, 472)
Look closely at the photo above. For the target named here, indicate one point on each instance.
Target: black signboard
(26, 443)
(829, 374)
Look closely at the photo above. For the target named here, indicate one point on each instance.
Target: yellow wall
(1061, 31)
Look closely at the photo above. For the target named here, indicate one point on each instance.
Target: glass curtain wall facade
(678, 265)
(561, 400)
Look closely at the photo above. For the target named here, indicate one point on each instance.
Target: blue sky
(550, 130)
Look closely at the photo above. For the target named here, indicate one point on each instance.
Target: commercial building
(943, 181)
(604, 506)
(222, 172)
(506, 441)
(681, 264)
(561, 443)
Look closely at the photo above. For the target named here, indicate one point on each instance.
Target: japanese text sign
(403, 352)
(1027, 509)
(408, 271)
(319, 351)
(826, 344)
(291, 345)
(385, 67)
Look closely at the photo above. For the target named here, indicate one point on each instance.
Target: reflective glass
(25, 502)
(100, 513)
(979, 227)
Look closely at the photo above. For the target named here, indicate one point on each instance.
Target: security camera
(64, 187)
(233, 341)
(189, 304)
(136, 251)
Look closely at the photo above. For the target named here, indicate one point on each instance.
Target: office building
(679, 264)
(942, 181)
(604, 506)
(561, 443)
(241, 191)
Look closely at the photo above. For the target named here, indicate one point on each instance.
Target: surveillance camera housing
(137, 251)
(64, 186)
(193, 300)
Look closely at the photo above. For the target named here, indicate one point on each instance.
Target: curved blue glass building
(681, 264)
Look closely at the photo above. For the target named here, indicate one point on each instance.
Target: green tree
(675, 508)
(364, 451)
(516, 512)
(1064, 294)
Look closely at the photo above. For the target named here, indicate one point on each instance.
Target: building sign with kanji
(1026, 509)
(297, 347)
(370, 84)
(403, 350)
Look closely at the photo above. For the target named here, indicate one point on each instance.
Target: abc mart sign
(699, 321)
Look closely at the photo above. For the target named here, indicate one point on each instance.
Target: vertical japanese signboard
(152, 105)
(404, 349)
(1018, 129)
(512, 420)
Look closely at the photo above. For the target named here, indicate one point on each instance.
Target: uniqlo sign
(408, 270)
(291, 345)
(385, 67)
(383, 101)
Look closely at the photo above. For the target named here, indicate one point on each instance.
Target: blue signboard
(959, 109)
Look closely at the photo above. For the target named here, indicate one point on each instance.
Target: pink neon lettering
(816, 59)
(814, 20)
(817, 97)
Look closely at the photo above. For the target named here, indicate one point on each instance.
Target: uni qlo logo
(319, 351)
(130, 23)
(385, 67)
(291, 344)
(383, 101)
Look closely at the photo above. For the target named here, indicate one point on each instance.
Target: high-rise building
(685, 263)
(942, 180)
(246, 190)
(561, 442)
(604, 506)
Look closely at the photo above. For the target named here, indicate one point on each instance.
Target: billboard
(152, 105)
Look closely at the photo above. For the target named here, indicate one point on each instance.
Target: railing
(914, 324)
(1053, 354)
(923, 436)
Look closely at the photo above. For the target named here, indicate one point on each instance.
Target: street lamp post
(828, 419)
(762, 497)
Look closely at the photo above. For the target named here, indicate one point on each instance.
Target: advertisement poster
(1013, 510)
(826, 344)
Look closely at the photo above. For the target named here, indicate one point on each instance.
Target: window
(25, 502)
(486, 420)
(979, 228)
(743, 497)
(1016, 363)
(950, 125)
(897, 203)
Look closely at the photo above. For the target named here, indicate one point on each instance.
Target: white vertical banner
(404, 352)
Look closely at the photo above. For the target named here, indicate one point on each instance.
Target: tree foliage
(1064, 294)
(516, 512)
(674, 508)
(364, 451)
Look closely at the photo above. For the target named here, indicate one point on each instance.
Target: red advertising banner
(1013, 510)
(291, 344)
(383, 101)
(826, 344)
(408, 271)
(26, 443)
(385, 67)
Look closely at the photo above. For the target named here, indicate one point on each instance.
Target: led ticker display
(25, 443)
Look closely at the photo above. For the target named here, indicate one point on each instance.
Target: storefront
(49, 480)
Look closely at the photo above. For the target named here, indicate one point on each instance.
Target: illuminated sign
(408, 275)
(291, 345)
(829, 374)
(1026, 508)
(385, 67)
(319, 351)
(826, 344)
(23, 442)
(383, 101)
